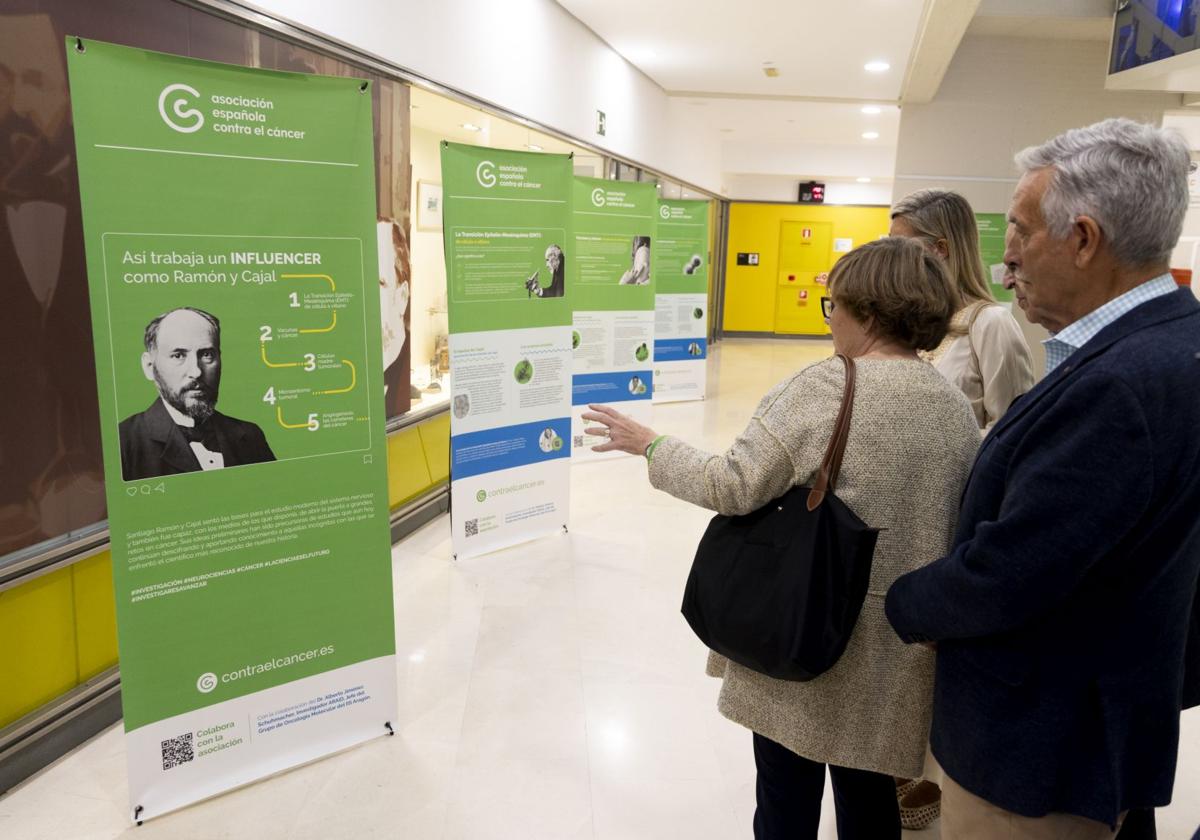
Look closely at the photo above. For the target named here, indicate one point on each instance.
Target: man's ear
(1087, 240)
(148, 365)
(942, 247)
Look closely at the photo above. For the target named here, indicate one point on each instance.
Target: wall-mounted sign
(842, 245)
(601, 123)
(812, 192)
(747, 259)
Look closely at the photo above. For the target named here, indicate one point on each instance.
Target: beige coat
(911, 444)
(991, 363)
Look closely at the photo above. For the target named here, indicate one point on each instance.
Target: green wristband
(653, 444)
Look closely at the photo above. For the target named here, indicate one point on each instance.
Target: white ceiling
(816, 123)
(709, 56)
(717, 46)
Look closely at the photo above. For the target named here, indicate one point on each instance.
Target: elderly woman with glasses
(910, 447)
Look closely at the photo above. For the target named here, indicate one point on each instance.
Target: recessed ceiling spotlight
(533, 147)
(870, 135)
(863, 180)
(771, 71)
(471, 127)
(877, 67)
(872, 109)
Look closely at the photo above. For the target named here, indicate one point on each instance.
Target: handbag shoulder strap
(831, 464)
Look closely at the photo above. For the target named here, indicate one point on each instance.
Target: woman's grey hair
(1128, 176)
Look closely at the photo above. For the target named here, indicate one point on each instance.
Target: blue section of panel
(611, 387)
(680, 349)
(490, 450)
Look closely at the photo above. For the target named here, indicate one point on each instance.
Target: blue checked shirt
(1070, 338)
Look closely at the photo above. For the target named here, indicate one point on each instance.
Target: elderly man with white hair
(1061, 614)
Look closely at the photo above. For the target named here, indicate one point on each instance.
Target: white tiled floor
(547, 691)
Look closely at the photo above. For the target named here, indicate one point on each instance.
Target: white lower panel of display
(678, 381)
(497, 509)
(183, 759)
(509, 377)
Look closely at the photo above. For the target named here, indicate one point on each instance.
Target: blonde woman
(985, 353)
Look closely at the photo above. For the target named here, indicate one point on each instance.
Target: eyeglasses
(827, 307)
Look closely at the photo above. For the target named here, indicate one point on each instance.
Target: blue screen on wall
(1151, 30)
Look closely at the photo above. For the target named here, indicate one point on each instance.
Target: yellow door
(805, 251)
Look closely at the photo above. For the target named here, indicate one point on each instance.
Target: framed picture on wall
(429, 205)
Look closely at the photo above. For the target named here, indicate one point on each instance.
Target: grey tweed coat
(912, 441)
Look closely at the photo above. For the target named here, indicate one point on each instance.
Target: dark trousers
(789, 798)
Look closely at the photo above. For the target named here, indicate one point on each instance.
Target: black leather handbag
(779, 590)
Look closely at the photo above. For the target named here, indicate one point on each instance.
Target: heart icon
(131, 491)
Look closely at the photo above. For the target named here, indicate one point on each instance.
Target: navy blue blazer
(1062, 612)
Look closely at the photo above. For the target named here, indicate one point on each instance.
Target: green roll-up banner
(230, 236)
(992, 227)
(681, 267)
(508, 261)
(612, 303)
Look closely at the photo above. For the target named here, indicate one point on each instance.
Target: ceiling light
(727, 131)
(771, 72)
(872, 109)
(870, 135)
(863, 180)
(533, 147)
(471, 127)
(877, 67)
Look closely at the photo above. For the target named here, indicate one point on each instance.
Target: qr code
(578, 440)
(472, 527)
(177, 751)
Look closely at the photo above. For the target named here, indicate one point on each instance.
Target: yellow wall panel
(752, 292)
(407, 474)
(435, 437)
(95, 615)
(37, 657)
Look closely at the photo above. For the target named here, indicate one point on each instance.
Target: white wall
(999, 96)
(529, 57)
(781, 189)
